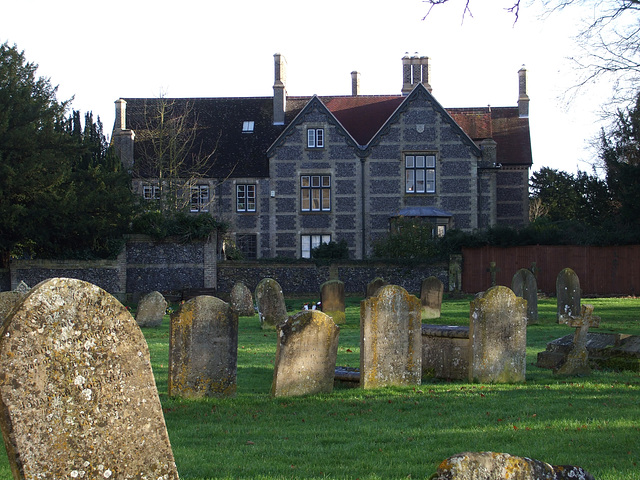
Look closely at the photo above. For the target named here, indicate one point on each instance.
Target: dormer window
(315, 138)
(247, 126)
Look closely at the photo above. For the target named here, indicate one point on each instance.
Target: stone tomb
(241, 300)
(431, 297)
(498, 334)
(524, 285)
(446, 351)
(390, 339)
(77, 392)
(203, 349)
(270, 301)
(332, 300)
(151, 308)
(568, 294)
(305, 355)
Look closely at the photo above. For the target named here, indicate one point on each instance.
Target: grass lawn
(390, 433)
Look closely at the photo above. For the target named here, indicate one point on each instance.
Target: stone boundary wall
(5, 279)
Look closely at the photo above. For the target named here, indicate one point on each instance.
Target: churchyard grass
(404, 432)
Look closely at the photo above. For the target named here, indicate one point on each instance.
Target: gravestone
(568, 294)
(242, 300)
(431, 297)
(332, 300)
(305, 355)
(270, 301)
(8, 300)
(151, 308)
(524, 285)
(577, 360)
(78, 395)
(390, 339)
(203, 349)
(374, 286)
(22, 287)
(498, 336)
(455, 273)
(493, 272)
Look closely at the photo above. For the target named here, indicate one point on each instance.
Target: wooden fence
(601, 270)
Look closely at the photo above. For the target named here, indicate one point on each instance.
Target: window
(309, 242)
(151, 192)
(245, 198)
(420, 171)
(200, 198)
(247, 244)
(315, 138)
(315, 193)
(247, 127)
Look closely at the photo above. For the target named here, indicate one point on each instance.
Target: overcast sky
(98, 51)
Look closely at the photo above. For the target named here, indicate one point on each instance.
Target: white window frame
(199, 201)
(315, 138)
(310, 241)
(420, 173)
(315, 193)
(246, 197)
(247, 126)
(150, 192)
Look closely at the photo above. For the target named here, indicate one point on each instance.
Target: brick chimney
(415, 70)
(279, 89)
(523, 98)
(355, 83)
(122, 137)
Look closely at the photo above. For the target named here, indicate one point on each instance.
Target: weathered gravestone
(498, 336)
(431, 297)
(270, 301)
(577, 360)
(305, 355)
(332, 300)
(374, 286)
(501, 466)
(455, 273)
(77, 392)
(568, 294)
(390, 339)
(203, 349)
(242, 300)
(524, 285)
(8, 300)
(151, 308)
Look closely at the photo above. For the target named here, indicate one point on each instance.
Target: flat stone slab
(448, 331)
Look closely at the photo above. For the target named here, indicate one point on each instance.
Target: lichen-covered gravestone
(524, 285)
(151, 309)
(77, 394)
(568, 294)
(203, 349)
(242, 300)
(8, 300)
(374, 286)
(390, 339)
(332, 300)
(305, 355)
(498, 335)
(270, 301)
(431, 297)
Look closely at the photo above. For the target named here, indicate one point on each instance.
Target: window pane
(306, 246)
(420, 161)
(419, 181)
(315, 181)
(311, 138)
(431, 181)
(326, 199)
(319, 137)
(410, 181)
(409, 161)
(315, 199)
(304, 181)
(326, 181)
(251, 198)
(326, 238)
(315, 241)
(306, 205)
(431, 161)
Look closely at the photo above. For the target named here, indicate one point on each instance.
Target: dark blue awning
(422, 212)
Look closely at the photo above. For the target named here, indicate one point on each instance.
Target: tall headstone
(374, 286)
(568, 294)
(270, 302)
(151, 308)
(390, 339)
(305, 355)
(332, 300)
(524, 285)
(203, 349)
(431, 297)
(498, 335)
(242, 300)
(455, 273)
(77, 392)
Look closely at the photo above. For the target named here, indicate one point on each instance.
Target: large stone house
(288, 173)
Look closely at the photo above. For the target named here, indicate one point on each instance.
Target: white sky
(98, 51)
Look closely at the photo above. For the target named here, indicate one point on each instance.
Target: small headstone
(498, 335)
(242, 300)
(374, 286)
(203, 349)
(390, 339)
(332, 300)
(270, 302)
(568, 294)
(151, 308)
(524, 285)
(500, 466)
(305, 355)
(455, 273)
(577, 360)
(78, 393)
(431, 297)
